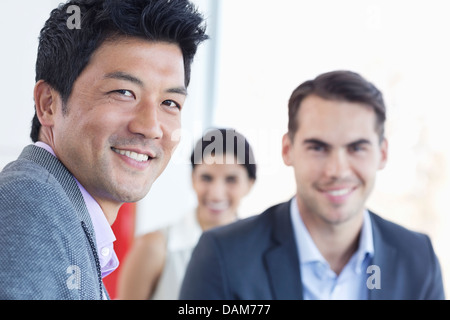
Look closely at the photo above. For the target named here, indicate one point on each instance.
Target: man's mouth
(132, 155)
(339, 192)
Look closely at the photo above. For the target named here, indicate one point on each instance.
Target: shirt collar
(104, 235)
(308, 251)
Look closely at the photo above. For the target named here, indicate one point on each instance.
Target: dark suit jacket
(256, 259)
(47, 240)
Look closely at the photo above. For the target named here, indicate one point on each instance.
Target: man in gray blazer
(323, 243)
(111, 80)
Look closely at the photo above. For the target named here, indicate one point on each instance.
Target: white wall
(20, 23)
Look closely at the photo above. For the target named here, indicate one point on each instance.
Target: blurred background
(259, 52)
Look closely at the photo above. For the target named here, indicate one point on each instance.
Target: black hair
(340, 85)
(220, 141)
(64, 52)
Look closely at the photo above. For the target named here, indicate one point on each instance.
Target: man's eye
(358, 148)
(316, 147)
(171, 104)
(126, 93)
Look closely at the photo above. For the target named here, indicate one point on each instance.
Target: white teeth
(337, 193)
(132, 155)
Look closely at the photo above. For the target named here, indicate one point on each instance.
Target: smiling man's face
(116, 137)
(336, 153)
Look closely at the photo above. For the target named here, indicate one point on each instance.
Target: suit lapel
(282, 259)
(384, 262)
(68, 183)
(64, 177)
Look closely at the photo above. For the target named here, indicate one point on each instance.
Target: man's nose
(146, 121)
(337, 164)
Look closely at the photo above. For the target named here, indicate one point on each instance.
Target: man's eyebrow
(360, 141)
(124, 76)
(316, 142)
(324, 144)
(178, 90)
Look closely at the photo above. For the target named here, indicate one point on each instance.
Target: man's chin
(340, 216)
(132, 194)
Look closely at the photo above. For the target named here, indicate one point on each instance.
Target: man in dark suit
(323, 243)
(108, 97)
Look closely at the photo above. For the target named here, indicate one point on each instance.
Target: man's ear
(384, 154)
(45, 99)
(286, 150)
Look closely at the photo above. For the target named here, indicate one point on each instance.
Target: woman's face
(220, 186)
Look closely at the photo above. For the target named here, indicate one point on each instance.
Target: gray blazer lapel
(68, 183)
(384, 262)
(64, 177)
(281, 259)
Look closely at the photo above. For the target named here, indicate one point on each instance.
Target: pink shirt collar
(103, 232)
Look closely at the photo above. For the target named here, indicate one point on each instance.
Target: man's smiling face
(116, 137)
(336, 153)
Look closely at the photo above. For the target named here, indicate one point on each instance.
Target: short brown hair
(339, 85)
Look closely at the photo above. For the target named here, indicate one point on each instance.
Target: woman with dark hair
(223, 172)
